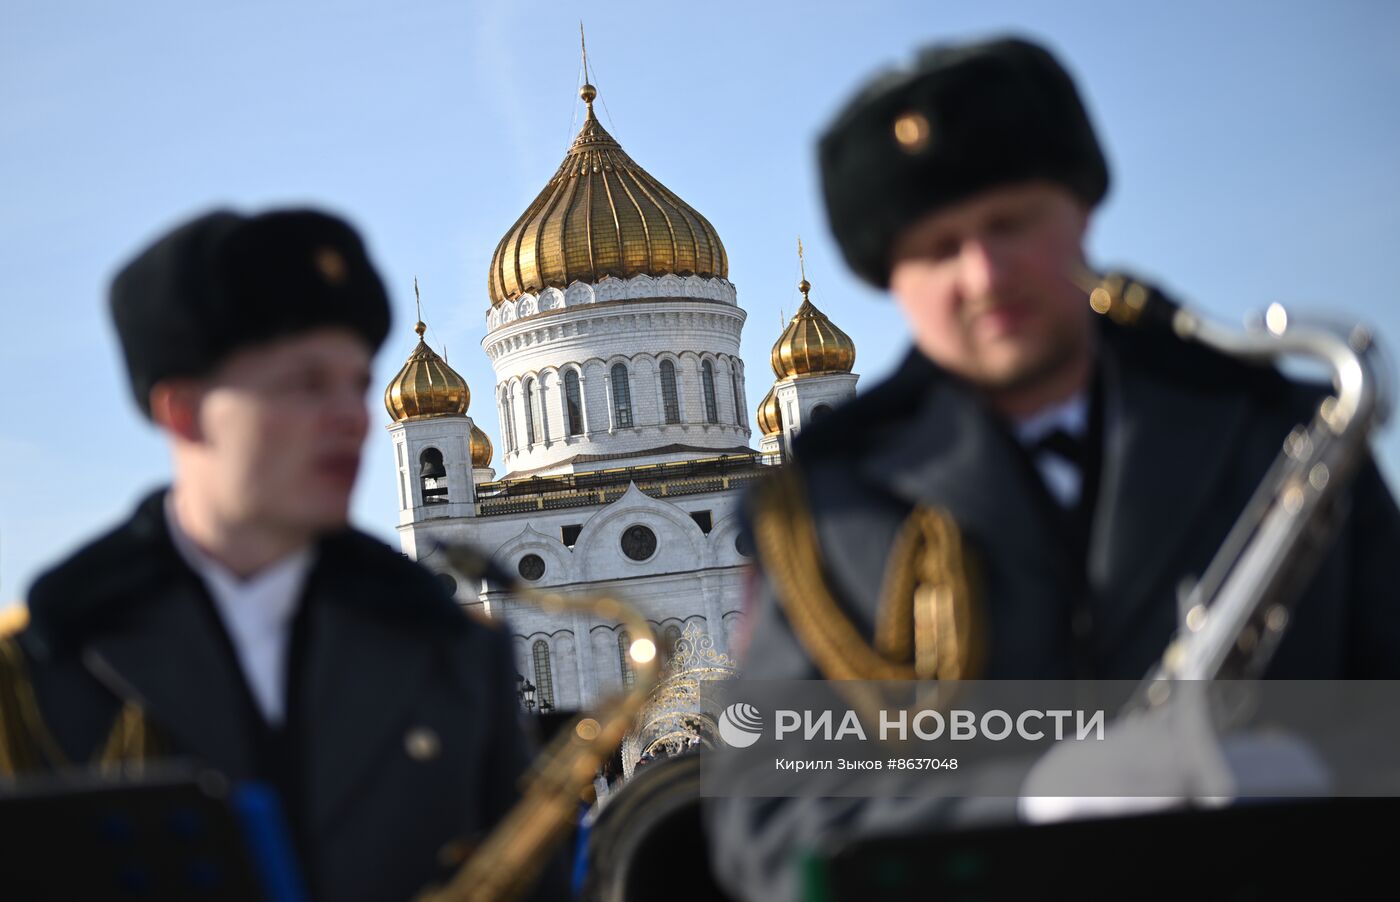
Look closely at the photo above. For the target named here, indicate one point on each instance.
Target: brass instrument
(1234, 616)
(507, 862)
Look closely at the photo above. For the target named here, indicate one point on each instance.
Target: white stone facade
(693, 576)
(802, 399)
(675, 342)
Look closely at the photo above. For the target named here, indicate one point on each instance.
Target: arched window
(669, 638)
(738, 393)
(529, 389)
(541, 412)
(544, 680)
(507, 419)
(670, 402)
(433, 475)
(820, 411)
(622, 397)
(707, 381)
(573, 400)
(624, 644)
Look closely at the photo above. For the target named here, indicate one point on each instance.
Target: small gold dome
(811, 344)
(426, 386)
(481, 448)
(770, 416)
(602, 215)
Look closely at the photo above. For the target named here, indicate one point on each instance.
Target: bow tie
(1070, 448)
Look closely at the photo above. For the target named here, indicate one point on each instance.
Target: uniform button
(454, 852)
(422, 743)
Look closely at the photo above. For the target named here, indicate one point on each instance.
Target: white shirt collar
(257, 612)
(1071, 415)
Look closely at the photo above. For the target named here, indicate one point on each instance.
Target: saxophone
(1234, 616)
(509, 859)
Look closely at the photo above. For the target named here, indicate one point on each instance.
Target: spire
(420, 327)
(804, 286)
(587, 92)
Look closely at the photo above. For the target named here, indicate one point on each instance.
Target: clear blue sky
(1253, 146)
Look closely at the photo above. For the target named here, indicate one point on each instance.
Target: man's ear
(1086, 219)
(175, 408)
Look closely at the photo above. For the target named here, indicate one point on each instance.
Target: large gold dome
(602, 215)
(426, 386)
(811, 344)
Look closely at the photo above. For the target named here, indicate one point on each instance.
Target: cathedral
(620, 397)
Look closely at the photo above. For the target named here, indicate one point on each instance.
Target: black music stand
(172, 835)
(1256, 851)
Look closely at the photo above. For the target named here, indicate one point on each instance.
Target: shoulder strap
(27, 746)
(927, 624)
(25, 742)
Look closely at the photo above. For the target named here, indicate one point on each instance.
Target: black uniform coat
(1187, 436)
(379, 651)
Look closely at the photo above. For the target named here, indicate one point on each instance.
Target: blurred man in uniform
(236, 619)
(1081, 469)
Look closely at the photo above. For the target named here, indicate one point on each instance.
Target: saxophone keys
(1293, 499)
(1328, 412)
(1298, 445)
(1174, 657)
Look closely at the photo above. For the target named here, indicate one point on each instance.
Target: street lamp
(526, 691)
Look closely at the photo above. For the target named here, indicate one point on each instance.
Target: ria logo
(740, 725)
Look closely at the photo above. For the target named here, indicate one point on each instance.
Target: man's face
(985, 285)
(282, 425)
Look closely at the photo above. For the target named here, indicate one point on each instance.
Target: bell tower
(812, 360)
(439, 452)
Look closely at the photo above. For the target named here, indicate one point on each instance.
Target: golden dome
(770, 416)
(426, 386)
(481, 448)
(602, 215)
(811, 344)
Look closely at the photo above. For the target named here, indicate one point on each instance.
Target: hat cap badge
(331, 264)
(912, 131)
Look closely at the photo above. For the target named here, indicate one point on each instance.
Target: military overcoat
(1186, 437)
(402, 742)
